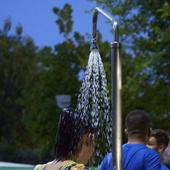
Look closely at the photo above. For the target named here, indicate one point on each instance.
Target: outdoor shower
(115, 89)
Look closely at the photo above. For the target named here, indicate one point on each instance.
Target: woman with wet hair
(74, 142)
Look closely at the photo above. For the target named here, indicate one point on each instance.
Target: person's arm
(152, 161)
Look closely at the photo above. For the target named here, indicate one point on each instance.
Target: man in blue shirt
(159, 141)
(136, 156)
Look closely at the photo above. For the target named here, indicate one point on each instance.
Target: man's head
(158, 140)
(75, 135)
(137, 125)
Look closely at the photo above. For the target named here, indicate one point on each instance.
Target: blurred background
(44, 48)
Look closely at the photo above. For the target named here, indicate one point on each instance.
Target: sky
(38, 20)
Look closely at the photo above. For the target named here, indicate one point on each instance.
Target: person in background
(166, 156)
(135, 154)
(159, 141)
(74, 143)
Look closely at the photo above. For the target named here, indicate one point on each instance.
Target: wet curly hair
(71, 127)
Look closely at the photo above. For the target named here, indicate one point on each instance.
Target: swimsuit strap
(67, 164)
(71, 165)
(40, 167)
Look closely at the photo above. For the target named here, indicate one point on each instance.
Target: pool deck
(17, 165)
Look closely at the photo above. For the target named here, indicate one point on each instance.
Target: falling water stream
(93, 104)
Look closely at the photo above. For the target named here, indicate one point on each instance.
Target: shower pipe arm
(115, 26)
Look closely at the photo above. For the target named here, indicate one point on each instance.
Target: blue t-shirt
(164, 167)
(135, 157)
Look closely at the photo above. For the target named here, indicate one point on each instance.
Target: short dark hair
(71, 127)
(137, 123)
(161, 137)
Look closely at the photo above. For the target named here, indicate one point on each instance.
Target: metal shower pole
(116, 88)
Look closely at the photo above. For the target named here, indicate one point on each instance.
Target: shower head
(114, 25)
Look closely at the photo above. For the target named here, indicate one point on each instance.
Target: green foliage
(64, 19)
(17, 68)
(30, 79)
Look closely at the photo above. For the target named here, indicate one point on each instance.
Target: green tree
(58, 73)
(17, 72)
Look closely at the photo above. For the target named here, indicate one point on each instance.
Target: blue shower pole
(116, 88)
